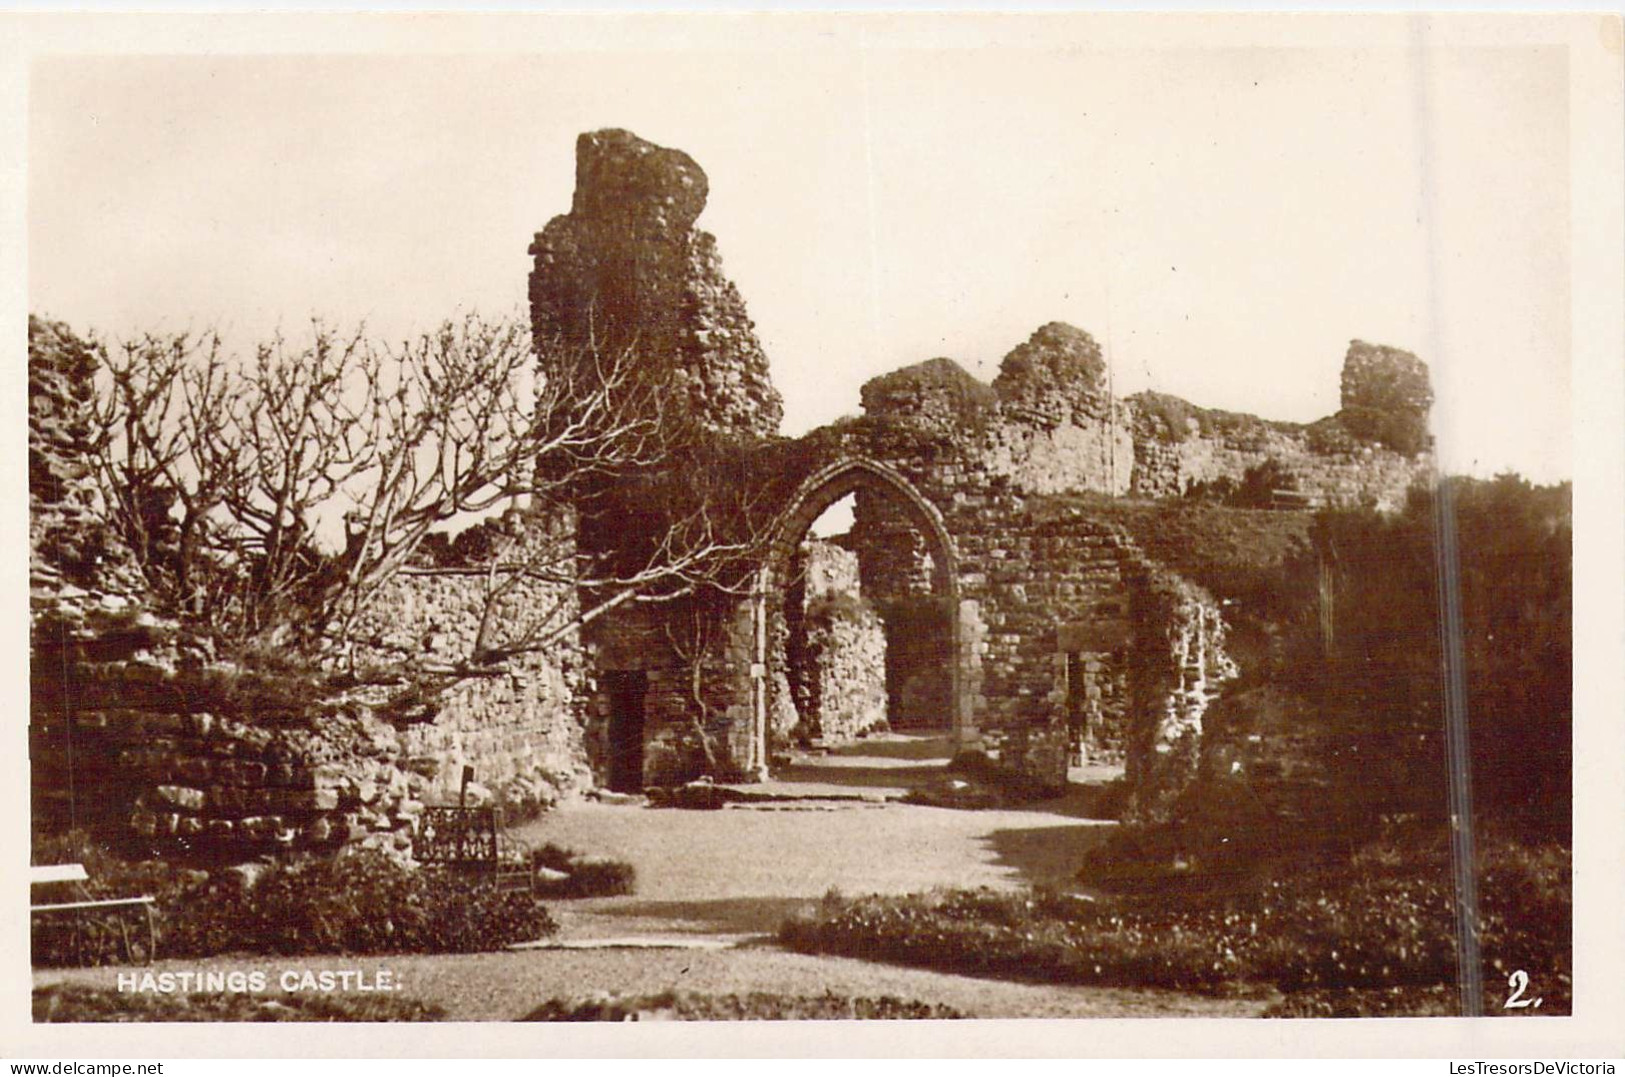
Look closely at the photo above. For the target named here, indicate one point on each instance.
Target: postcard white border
(1598, 246)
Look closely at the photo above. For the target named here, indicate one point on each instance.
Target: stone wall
(513, 713)
(897, 570)
(1063, 621)
(74, 557)
(1370, 453)
(836, 648)
(1179, 666)
(1048, 424)
(846, 675)
(131, 730)
(137, 724)
(667, 643)
(1314, 466)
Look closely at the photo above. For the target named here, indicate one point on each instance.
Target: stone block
(311, 799)
(249, 772)
(194, 769)
(181, 796)
(262, 827)
(327, 776)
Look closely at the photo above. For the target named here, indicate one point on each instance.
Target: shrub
(1168, 417)
(1220, 489)
(1016, 936)
(1256, 490)
(1259, 484)
(974, 781)
(359, 902)
(584, 876)
(1381, 920)
(1386, 396)
(755, 1006)
(77, 1003)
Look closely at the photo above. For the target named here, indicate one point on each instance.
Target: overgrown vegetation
(1333, 621)
(1258, 489)
(1386, 397)
(1385, 919)
(585, 876)
(754, 1006)
(357, 902)
(1171, 419)
(1378, 685)
(67, 1003)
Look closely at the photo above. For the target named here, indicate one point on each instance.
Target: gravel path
(743, 869)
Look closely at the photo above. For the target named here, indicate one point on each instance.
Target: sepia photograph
(738, 518)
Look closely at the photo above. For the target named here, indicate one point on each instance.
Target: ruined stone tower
(626, 268)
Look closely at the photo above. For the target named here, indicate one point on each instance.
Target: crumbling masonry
(987, 587)
(1011, 614)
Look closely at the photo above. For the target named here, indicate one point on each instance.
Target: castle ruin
(998, 583)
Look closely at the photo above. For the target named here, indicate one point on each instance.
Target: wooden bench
(44, 874)
(472, 840)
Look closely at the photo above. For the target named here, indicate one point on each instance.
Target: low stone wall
(127, 731)
(1037, 754)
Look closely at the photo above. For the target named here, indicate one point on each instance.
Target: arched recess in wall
(817, 493)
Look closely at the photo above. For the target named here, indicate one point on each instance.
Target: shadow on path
(887, 761)
(858, 777)
(918, 746)
(725, 916)
(1048, 855)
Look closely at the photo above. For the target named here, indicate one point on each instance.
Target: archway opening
(835, 643)
(862, 604)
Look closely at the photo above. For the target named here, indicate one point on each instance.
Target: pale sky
(1223, 220)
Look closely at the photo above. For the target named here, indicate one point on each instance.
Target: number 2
(1519, 982)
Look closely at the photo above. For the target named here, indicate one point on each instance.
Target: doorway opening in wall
(835, 644)
(1095, 697)
(1093, 662)
(626, 689)
(869, 646)
(859, 632)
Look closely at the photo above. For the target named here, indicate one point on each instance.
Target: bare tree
(222, 473)
(693, 637)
